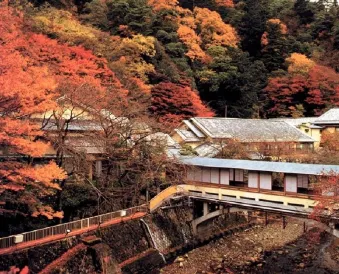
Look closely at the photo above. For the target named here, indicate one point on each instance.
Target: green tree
(304, 11)
(135, 14)
(95, 13)
(232, 79)
(275, 45)
(253, 25)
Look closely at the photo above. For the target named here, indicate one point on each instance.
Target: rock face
(122, 248)
(103, 260)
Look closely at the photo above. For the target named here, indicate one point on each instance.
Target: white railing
(71, 226)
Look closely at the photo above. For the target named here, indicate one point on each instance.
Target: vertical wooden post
(266, 219)
(258, 181)
(305, 228)
(284, 222)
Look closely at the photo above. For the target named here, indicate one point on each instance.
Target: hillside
(186, 58)
(105, 75)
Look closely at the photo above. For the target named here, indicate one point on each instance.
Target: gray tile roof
(296, 121)
(329, 117)
(250, 130)
(208, 149)
(85, 145)
(76, 125)
(187, 135)
(294, 168)
(194, 129)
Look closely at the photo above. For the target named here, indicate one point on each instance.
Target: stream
(263, 249)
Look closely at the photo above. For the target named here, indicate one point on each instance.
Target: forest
(156, 62)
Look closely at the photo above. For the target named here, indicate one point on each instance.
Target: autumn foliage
(309, 85)
(175, 102)
(26, 88)
(188, 36)
(327, 190)
(213, 30)
(225, 3)
(163, 4)
(299, 64)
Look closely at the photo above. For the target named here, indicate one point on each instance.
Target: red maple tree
(315, 90)
(173, 102)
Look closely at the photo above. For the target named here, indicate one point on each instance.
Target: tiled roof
(194, 129)
(85, 145)
(295, 168)
(76, 125)
(163, 139)
(250, 130)
(208, 150)
(296, 121)
(329, 117)
(187, 135)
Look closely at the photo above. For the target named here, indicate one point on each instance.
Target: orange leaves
(225, 3)
(283, 27)
(299, 64)
(330, 141)
(43, 176)
(47, 212)
(214, 32)
(30, 67)
(163, 4)
(203, 30)
(192, 41)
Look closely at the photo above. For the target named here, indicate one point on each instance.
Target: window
(302, 181)
(299, 146)
(238, 175)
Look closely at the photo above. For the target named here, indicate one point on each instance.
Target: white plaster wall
(190, 174)
(206, 175)
(291, 183)
(215, 175)
(266, 180)
(253, 179)
(224, 176)
(197, 174)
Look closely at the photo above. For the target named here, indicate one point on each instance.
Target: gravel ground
(262, 249)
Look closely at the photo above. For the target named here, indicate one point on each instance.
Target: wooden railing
(71, 226)
(249, 189)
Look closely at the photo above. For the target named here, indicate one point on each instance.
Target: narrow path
(54, 238)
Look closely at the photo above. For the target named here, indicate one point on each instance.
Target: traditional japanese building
(208, 135)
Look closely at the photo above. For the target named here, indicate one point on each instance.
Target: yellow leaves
(62, 24)
(203, 30)
(131, 51)
(283, 27)
(214, 32)
(143, 44)
(299, 64)
(206, 76)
